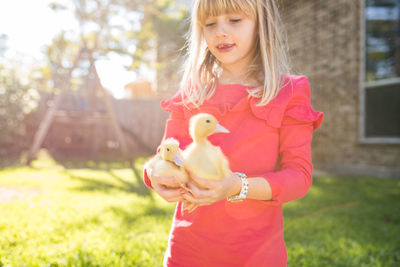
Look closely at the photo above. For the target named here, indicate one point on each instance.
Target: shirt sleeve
(176, 126)
(293, 178)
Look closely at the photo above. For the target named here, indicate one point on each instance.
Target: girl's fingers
(198, 192)
(192, 207)
(205, 183)
(185, 187)
(189, 198)
(198, 201)
(173, 199)
(168, 181)
(185, 204)
(169, 194)
(188, 206)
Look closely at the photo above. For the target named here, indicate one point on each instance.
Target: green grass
(56, 216)
(345, 221)
(79, 217)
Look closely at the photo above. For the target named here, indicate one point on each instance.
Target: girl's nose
(221, 32)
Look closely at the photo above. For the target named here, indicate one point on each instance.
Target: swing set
(83, 121)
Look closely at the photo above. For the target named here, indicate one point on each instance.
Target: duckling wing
(152, 161)
(223, 165)
(206, 161)
(164, 168)
(199, 161)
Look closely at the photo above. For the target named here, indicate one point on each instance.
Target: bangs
(213, 8)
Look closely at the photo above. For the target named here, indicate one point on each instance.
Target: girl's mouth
(225, 47)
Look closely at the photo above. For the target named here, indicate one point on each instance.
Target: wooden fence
(142, 120)
(90, 134)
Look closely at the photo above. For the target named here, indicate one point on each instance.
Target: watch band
(243, 192)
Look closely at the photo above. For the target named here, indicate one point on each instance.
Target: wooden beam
(44, 128)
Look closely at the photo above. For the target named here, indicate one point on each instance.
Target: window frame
(363, 139)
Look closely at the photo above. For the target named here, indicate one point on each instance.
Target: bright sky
(31, 24)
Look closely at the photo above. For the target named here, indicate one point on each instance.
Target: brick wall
(324, 42)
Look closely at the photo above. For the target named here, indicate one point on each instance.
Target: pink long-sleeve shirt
(272, 141)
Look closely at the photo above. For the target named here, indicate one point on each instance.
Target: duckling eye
(208, 121)
(168, 149)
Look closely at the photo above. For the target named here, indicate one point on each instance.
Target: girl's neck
(227, 77)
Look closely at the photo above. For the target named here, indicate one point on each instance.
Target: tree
(163, 26)
(151, 32)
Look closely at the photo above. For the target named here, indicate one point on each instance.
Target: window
(380, 105)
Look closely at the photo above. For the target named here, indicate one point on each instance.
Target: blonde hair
(269, 63)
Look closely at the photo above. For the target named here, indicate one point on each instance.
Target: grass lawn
(56, 216)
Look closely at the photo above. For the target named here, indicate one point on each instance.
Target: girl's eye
(210, 24)
(235, 20)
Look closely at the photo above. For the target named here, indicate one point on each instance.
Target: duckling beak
(178, 160)
(220, 129)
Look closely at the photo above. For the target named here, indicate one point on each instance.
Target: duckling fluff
(201, 158)
(169, 161)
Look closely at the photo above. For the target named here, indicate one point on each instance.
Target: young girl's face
(231, 39)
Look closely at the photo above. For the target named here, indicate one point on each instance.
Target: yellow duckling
(202, 158)
(169, 161)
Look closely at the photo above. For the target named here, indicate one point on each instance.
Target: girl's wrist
(236, 186)
(244, 186)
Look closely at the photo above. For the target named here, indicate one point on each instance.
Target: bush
(17, 99)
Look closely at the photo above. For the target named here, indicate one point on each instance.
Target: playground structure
(89, 123)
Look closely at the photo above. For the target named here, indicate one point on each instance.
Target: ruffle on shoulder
(293, 100)
(305, 114)
(272, 114)
(174, 104)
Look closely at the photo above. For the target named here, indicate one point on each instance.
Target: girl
(237, 71)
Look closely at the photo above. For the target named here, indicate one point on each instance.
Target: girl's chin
(227, 62)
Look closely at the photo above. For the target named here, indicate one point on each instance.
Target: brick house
(350, 51)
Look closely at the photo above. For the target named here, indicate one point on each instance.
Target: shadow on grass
(130, 217)
(139, 188)
(91, 184)
(94, 164)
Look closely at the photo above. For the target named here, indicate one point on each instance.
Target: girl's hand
(188, 205)
(205, 192)
(167, 187)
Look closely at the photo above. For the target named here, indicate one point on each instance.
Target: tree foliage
(162, 31)
(150, 32)
(17, 99)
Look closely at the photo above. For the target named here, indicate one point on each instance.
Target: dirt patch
(13, 193)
